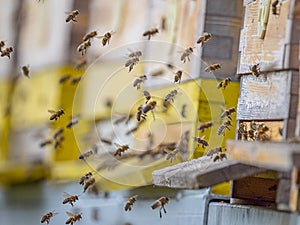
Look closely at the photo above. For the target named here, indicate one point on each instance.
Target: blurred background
(39, 158)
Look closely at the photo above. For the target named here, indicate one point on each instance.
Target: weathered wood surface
(269, 155)
(201, 173)
(265, 97)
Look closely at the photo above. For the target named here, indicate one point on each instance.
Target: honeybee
(88, 183)
(255, 69)
(147, 96)
(72, 16)
(150, 32)
(106, 141)
(82, 48)
(224, 83)
(149, 106)
(169, 97)
(80, 64)
(58, 133)
(163, 23)
(201, 141)
(56, 114)
(225, 125)
(156, 73)
(161, 202)
(86, 155)
(183, 110)
(70, 198)
(227, 113)
(47, 216)
(137, 83)
(85, 177)
(242, 131)
(220, 156)
(205, 126)
(186, 54)
(7, 52)
(130, 63)
(64, 78)
(75, 80)
(261, 132)
(2, 44)
(106, 38)
(204, 38)
(140, 116)
(213, 151)
(212, 67)
(58, 142)
(25, 70)
(177, 77)
(73, 218)
(130, 202)
(120, 149)
(171, 151)
(134, 54)
(72, 123)
(89, 36)
(46, 142)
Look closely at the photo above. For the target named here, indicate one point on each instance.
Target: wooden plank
(202, 172)
(264, 98)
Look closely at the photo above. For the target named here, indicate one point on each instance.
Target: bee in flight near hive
(131, 62)
(169, 98)
(70, 198)
(85, 177)
(177, 77)
(255, 69)
(56, 114)
(134, 54)
(213, 151)
(206, 37)
(72, 16)
(130, 202)
(72, 123)
(201, 141)
(227, 113)
(7, 52)
(76, 80)
(186, 54)
(88, 153)
(82, 48)
(2, 44)
(276, 7)
(58, 133)
(161, 202)
(220, 156)
(147, 96)
(64, 78)
(139, 81)
(73, 218)
(25, 71)
(89, 36)
(106, 38)
(150, 32)
(225, 125)
(213, 67)
(205, 126)
(183, 111)
(120, 149)
(45, 142)
(224, 83)
(47, 216)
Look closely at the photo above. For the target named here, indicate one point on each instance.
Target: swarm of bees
(72, 16)
(130, 202)
(204, 38)
(150, 32)
(161, 202)
(213, 67)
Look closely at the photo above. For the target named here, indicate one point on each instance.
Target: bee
(57, 142)
(47, 216)
(275, 7)
(88, 153)
(64, 78)
(186, 54)
(73, 218)
(130, 202)
(242, 131)
(46, 142)
(161, 202)
(130, 63)
(183, 110)
(206, 37)
(213, 151)
(106, 38)
(163, 23)
(70, 198)
(75, 80)
(227, 113)
(25, 70)
(72, 123)
(89, 36)
(2, 44)
(147, 96)
(255, 69)
(225, 125)
(224, 83)
(72, 16)
(205, 126)
(212, 67)
(201, 141)
(150, 32)
(58, 133)
(137, 54)
(220, 156)
(84, 46)
(157, 73)
(80, 64)
(261, 132)
(56, 114)
(149, 106)
(140, 116)
(171, 151)
(177, 77)
(106, 141)
(7, 52)
(120, 149)
(137, 83)
(88, 183)
(169, 98)
(85, 177)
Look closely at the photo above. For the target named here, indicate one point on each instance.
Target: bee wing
(51, 111)
(69, 214)
(117, 145)
(66, 194)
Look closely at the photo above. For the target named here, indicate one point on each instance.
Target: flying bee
(161, 202)
(156, 73)
(177, 77)
(89, 36)
(72, 123)
(137, 83)
(46, 142)
(201, 141)
(130, 202)
(220, 156)
(58, 142)
(106, 141)
(73, 218)
(227, 113)
(56, 114)
(120, 149)
(213, 67)
(2, 44)
(169, 98)
(70, 198)
(225, 125)
(150, 32)
(75, 80)
(171, 151)
(147, 96)
(82, 48)
(149, 106)
(88, 183)
(80, 64)
(64, 78)
(186, 54)
(183, 110)
(135, 54)
(206, 37)
(47, 216)
(213, 151)
(7, 52)
(58, 133)
(224, 83)
(72, 16)
(205, 126)
(255, 69)
(25, 70)
(85, 177)
(130, 63)
(106, 38)
(140, 115)
(88, 153)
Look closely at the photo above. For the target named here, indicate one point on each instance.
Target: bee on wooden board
(120, 149)
(220, 156)
(71, 199)
(89, 36)
(73, 218)
(7, 52)
(225, 125)
(85, 177)
(204, 38)
(242, 131)
(213, 67)
(177, 77)
(213, 151)
(255, 69)
(64, 78)
(47, 216)
(201, 141)
(106, 38)
(130, 202)
(205, 126)
(224, 83)
(150, 32)
(161, 202)
(228, 112)
(72, 16)
(56, 114)
(186, 54)
(139, 81)
(82, 48)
